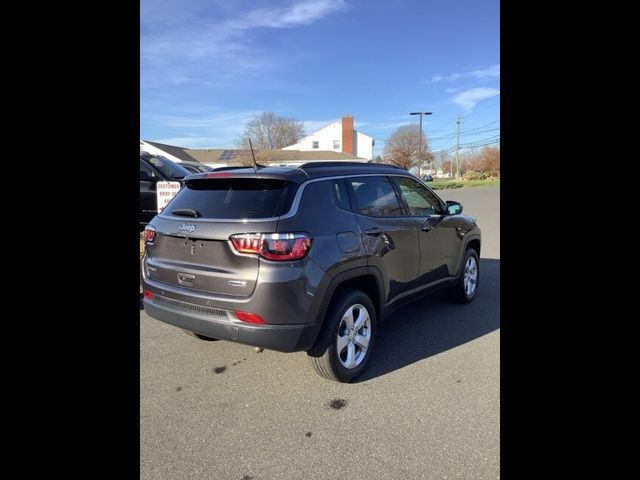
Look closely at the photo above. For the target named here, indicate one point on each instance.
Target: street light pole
(420, 150)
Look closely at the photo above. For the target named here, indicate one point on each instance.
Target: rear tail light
(273, 246)
(148, 294)
(250, 317)
(218, 175)
(149, 234)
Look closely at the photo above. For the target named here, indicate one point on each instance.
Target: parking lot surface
(428, 405)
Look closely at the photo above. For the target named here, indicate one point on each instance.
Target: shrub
(474, 175)
(446, 185)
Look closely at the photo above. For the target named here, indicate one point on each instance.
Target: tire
(324, 356)
(466, 287)
(200, 337)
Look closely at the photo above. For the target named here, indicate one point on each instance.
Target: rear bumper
(284, 338)
(285, 296)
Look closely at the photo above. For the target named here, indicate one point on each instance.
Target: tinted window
(167, 168)
(375, 196)
(144, 168)
(190, 168)
(340, 194)
(235, 198)
(420, 201)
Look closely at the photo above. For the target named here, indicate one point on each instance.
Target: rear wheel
(201, 337)
(348, 335)
(465, 289)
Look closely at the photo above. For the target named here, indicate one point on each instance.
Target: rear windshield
(235, 198)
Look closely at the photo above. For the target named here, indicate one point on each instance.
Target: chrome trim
(421, 287)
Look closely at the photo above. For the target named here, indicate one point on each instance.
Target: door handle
(426, 228)
(374, 232)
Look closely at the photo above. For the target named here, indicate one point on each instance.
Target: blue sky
(208, 66)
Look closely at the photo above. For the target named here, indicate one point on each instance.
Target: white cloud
(481, 74)
(493, 71)
(470, 98)
(219, 130)
(197, 41)
(302, 13)
(197, 142)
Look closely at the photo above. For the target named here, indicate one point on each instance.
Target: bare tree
(244, 157)
(442, 158)
(402, 148)
(267, 131)
(487, 161)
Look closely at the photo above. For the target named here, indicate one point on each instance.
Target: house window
(316, 144)
(336, 144)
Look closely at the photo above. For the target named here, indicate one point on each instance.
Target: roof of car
(305, 171)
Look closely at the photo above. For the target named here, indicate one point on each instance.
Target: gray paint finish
(402, 260)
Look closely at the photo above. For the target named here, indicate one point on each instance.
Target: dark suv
(305, 259)
(153, 169)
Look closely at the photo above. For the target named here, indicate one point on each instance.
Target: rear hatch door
(192, 248)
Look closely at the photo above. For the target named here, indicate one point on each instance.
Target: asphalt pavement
(428, 405)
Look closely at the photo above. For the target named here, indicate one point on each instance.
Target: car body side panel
(336, 238)
(395, 252)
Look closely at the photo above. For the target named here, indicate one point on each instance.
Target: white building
(339, 136)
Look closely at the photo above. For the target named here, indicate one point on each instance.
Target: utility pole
(420, 154)
(458, 148)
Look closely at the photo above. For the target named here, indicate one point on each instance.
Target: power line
(469, 133)
(487, 139)
(476, 132)
(483, 126)
(493, 142)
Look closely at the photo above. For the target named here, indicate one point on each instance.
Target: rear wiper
(186, 212)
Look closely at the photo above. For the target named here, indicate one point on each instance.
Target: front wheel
(466, 287)
(348, 335)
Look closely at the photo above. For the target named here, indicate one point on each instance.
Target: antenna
(255, 164)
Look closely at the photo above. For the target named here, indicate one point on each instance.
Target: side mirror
(145, 177)
(453, 208)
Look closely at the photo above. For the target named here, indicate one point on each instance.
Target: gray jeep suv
(305, 259)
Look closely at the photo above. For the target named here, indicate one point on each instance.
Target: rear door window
(375, 196)
(235, 198)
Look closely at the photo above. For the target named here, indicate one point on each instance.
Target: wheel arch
(366, 279)
(472, 240)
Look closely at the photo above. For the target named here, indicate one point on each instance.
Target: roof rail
(220, 169)
(347, 164)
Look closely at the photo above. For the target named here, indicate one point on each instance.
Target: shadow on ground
(434, 324)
